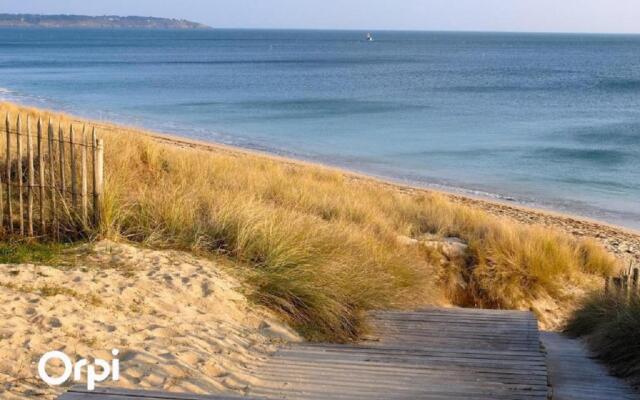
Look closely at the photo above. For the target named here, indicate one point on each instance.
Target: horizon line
(337, 29)
(372, 30)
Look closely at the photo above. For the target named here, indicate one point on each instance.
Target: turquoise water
(543, 120)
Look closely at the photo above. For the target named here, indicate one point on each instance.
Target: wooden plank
(8, 174)
(340, 393)
(74, 171)
(399, 349)
(30, 178)
(298, 360)
(19, 173)
(2, 199)
(105, 393)
(94, 146)
(362, 381)
(115, 396)
(98, 180)
(84, 177)
(417, 358)
(43, 227)
(52, 182)
(388, 376)
(63, 163)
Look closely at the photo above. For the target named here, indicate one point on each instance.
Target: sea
(542, 120)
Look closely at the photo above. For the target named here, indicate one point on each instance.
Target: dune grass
(320, 246)
(611, 324)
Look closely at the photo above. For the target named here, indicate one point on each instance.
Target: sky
(597, 16)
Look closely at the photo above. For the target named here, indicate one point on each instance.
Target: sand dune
(180, 323)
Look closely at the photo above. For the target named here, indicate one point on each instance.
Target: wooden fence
(51, 182)
(626, 283)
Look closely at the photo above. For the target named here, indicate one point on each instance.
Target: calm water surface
(543, 120)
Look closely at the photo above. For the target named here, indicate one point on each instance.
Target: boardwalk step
(435, 354)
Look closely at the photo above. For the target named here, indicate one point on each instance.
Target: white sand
(180, 323)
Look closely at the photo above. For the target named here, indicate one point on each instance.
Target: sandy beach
(180, 322)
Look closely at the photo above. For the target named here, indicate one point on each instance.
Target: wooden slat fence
(51, 179)
(626, 283)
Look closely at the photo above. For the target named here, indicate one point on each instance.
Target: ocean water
(543, 120)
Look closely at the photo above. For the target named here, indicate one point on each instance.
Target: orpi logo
(76, 369)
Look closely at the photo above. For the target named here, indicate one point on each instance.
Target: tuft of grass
(611, 325)
(593, 260)
(320, 246)
(510, 264)
(30, 252)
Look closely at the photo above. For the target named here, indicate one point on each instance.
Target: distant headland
(85, 21)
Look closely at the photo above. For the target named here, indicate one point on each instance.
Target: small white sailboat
(369, 37)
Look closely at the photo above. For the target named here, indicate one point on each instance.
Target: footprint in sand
(206, 289)
(54, 322)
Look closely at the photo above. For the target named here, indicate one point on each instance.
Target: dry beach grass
(321, 247)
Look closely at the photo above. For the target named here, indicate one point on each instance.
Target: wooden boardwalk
(124, 394)
(438, 354)
(576, 376)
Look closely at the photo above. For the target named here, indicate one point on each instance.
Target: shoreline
(589, 213)
(501, 198)
(623, 242)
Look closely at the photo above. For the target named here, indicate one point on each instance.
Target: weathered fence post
(74, 178)
(98, 182)
(84, 176)
(63, 180)
(43, 225)
(31, 178)
(1, 205)
(20, 174)
(1, 194)
(634, 281)
(94, 149)
(8, 167)
(617, 284)
(52, 183)
(2, 197)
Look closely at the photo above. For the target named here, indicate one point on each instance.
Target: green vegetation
(611, 325)
(322, 247)
(30, 252)
(99, 22)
